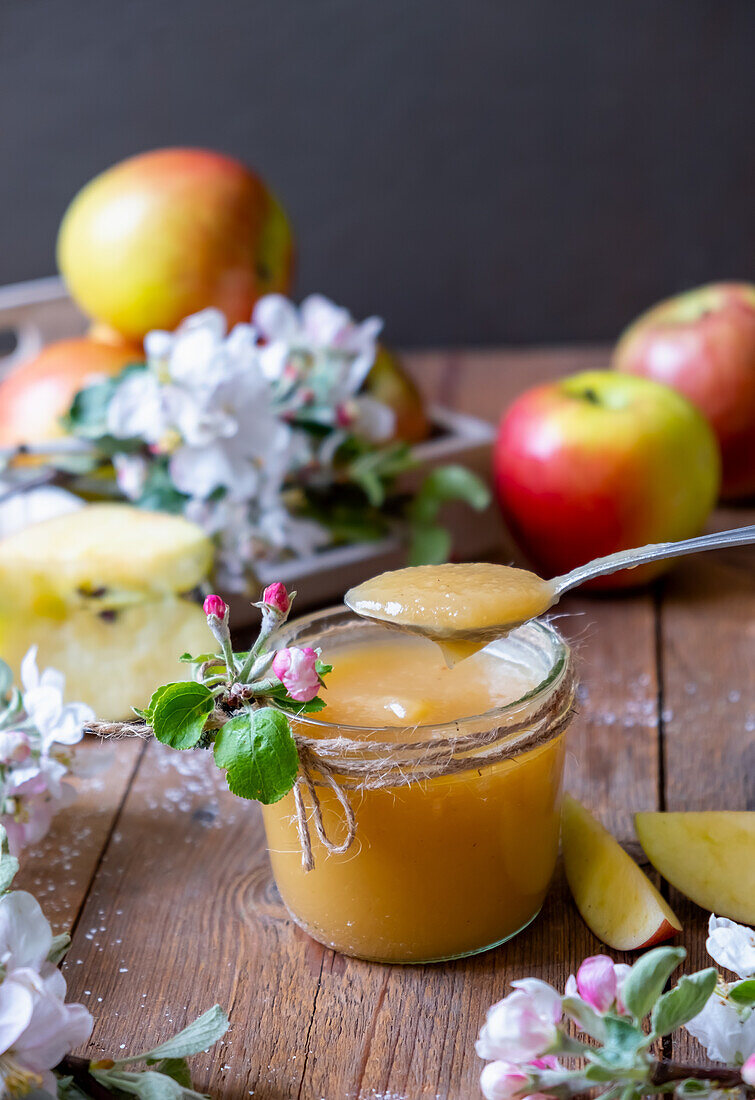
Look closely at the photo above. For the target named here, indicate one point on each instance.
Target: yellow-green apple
(167, 233)
(709, 856)
(101, 557)
(101, 591)
(389, 382)
(616, 899)
(37, 393)
(599, 462)
(703, 344)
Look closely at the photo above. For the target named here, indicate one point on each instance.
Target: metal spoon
(600, 567)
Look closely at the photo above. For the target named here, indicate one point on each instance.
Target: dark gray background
(477, 171)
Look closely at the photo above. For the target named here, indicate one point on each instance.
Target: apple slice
(618, 902)
(709, 856)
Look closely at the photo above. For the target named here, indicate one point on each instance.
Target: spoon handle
(629, 559)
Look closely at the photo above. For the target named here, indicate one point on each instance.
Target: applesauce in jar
(446, 864)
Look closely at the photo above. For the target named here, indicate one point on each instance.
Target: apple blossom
(748, 1071)
(725, 1029)
(37, 1028)
(731, 945)
(55, 720)
(523, 1025)
(32, 765)
(15, 747)
(296, 668)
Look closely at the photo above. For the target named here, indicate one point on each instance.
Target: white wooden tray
(36, 312)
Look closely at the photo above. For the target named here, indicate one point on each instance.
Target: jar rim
(288, 633)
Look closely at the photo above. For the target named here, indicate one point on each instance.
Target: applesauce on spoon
(460, 606)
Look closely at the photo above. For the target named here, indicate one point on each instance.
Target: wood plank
(59, 870)
(708, 635)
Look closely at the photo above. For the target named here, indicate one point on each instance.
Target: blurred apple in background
(600, 462)
(389, 382)
(164, 234)
(37, 393)
(703, 344)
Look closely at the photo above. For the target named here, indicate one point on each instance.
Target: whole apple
(164, 234)
(389, 382)
(599, 462)
(703, 344)
(37, 393)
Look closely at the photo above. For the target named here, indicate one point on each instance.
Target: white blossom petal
(16, 1003)
(276, 318)
(731, 945)
(25, 933)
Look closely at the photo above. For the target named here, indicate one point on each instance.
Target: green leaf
(585, 1017)
(59, 948)
(87, 416)
(156, 696)
(449, 483)
(682, 1003)
(177, 1068)
(159, 493)
(645, 981)
(622, 1042)
(201, 658)
(743, 994)
(429, 544)
(8, 863)
(6, 679)
(259, 753)
(179, 714)
(198, 1036)
(146, 1084)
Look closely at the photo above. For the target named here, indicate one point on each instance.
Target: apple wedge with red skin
(703, 344)
(616, 899)
(709, 856)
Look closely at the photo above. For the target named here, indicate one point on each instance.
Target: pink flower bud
(345, 414)
(276, 597)
(748, 1071)
(15, 747)
(213, 605)
(502, 1080)
(596, 982)
(296, 670)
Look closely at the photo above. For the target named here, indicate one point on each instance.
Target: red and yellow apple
(167, 233)
(37, 393)
(616, 899)
(389, 382)
(600, 462)
(709, 856)
(703, 344)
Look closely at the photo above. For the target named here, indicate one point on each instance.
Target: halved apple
(113, 661)
(617, 900)
(102, 556)
(709, 856)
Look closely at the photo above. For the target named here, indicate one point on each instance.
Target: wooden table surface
(164, 878)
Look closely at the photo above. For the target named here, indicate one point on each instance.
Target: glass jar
(440, 867)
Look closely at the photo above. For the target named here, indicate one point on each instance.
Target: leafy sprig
(238, 707)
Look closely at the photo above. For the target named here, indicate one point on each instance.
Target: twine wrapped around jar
(345, 765)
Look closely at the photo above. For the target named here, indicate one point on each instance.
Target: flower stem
(78, 1069)
(663, 1072)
